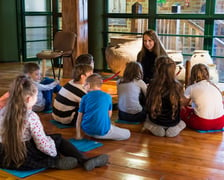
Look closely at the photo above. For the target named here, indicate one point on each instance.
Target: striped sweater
(66, 103)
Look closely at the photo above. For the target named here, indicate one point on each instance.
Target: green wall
(95, 32)
(9, 50)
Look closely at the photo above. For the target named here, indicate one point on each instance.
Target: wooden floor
(189, 156)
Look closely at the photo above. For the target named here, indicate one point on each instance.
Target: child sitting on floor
(131, 94)
(66, 103)
(95, 112)
(163, 100)
(206, 111)
(46, 87)
(23, 142)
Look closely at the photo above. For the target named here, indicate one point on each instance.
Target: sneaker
(97, 161)
(67, 163)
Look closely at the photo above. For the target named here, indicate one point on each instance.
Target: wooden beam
(75, 19)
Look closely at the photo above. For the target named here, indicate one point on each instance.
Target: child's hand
(78, 136)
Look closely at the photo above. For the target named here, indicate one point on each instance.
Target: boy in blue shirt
(95, 111)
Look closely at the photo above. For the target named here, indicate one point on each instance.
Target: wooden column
(75, 19)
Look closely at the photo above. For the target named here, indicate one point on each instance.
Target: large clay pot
(213, 73)
(117, 56)
(201, 56)
(177, 56)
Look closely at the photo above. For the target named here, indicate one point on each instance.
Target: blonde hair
(13, 123)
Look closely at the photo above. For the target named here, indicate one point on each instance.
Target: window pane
(220, 67)
(60, 6)
(188, 28)
(60, 23)
(123, 6)
(184, 7)
(37, 5)
(36, 21)
(218, 47)
(219, 28)
(34, 47)
(219, 7)
(37, 34)
(127, 25)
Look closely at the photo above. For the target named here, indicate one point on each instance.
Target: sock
(154, 129)
(66, 163)
(97, 161)
(175, 130)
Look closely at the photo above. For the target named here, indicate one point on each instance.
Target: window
(192, 25)
(40, 20)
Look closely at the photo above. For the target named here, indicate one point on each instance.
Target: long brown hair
(164, 84)
(133, 71)
(200, 72)
(12, 130)
(158, 48)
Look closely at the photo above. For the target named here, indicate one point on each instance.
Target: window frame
(209, 18)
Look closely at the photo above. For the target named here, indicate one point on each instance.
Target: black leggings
(36, 159)
(65, 148)
(138, 117)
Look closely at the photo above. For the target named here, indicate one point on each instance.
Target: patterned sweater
(33, 129)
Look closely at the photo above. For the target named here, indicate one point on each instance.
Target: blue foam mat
(60, 125)
(210, 131)
(85, 145)
(82, 145)
(23, 174)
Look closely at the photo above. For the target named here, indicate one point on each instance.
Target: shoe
(66, 163)
(97, 161)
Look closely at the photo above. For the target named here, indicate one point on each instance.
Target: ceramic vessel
(176, 55)
(213, 73)
(201, 56)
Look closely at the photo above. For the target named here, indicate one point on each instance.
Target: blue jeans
(48, 95)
